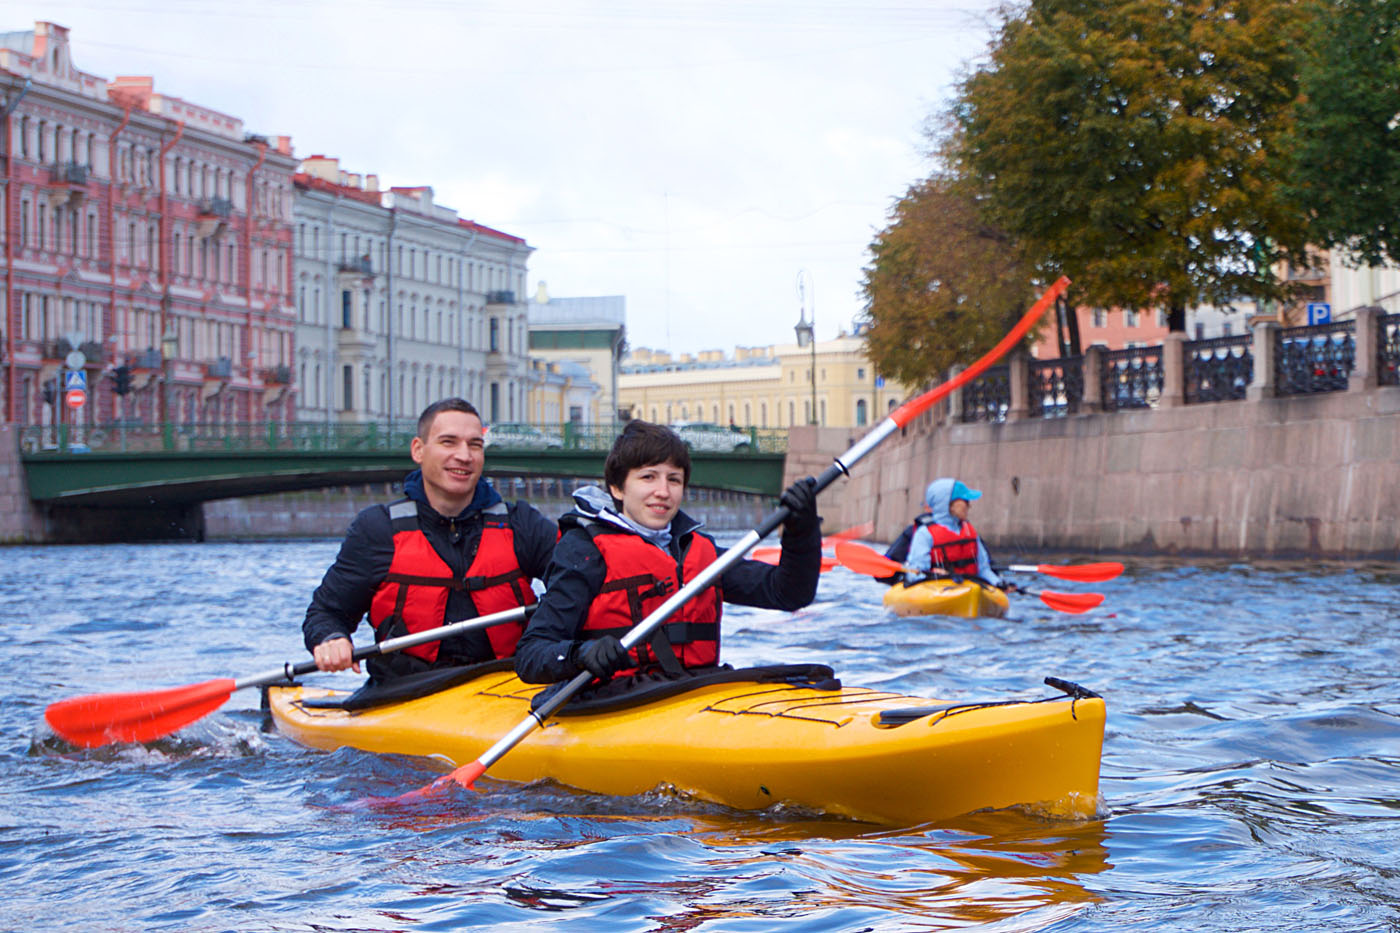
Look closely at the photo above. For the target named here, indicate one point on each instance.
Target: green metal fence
(38, 440)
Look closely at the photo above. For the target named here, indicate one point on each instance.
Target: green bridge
(135, 482)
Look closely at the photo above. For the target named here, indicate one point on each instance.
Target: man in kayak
(625, 550)
(944, 542)
(451, 549)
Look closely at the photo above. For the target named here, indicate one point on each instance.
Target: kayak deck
(751, 745)
(966, 598)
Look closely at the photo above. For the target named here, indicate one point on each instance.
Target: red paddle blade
(1070, 602)
(850, 534)
(770, 555)
(103, 718)
(862, 559)
(1083, 573)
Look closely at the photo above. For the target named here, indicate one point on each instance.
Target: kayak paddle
(466, 775)
(770, 555)
(102, 718)
(862, 559)
(850, 534)
(1080, 573)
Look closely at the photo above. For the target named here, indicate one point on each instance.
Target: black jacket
(577, 571)
(344, 596)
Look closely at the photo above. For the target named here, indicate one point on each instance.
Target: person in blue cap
(944, 541)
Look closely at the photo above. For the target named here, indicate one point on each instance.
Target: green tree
(1125, 143)
(1344, 159)
(943, 285)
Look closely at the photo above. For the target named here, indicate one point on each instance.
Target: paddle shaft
(290, 671)
(901, 416)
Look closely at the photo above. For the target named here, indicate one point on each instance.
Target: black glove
(602, 657)
(800, 499)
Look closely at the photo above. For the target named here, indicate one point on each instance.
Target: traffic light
(122, 376)
(50, 391)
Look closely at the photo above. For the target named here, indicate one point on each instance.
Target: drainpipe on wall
(112, 214)
(329, 386)
(251, 352)
(164, 270)
(463, 328)
(11, 376)
(389, 313)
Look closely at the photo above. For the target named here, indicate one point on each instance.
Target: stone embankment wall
(1315, 476)
(20, 520)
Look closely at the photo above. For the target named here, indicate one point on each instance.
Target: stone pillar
(955, 398)
(1173, 370)
(1263, 383)
(1019, 381)
(1364, 373)
(1092, 370)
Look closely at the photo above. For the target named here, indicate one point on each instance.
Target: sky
(697, 157)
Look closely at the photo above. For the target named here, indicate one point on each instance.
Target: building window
(346, 307)
(348, 380)
(1130, 318)
(495, 341)
(1100, 317)
(860, 413)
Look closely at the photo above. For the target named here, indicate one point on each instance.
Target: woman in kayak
(622, 552)
(944, 542)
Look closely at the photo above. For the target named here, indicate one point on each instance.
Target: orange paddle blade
(770, 555)
(102, 718)
(1070, 602)
(1080, 573)
(850, 534)
(862, 559)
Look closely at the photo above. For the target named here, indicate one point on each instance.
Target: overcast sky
(691, 156)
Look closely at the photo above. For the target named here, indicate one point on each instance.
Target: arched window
(860, 413)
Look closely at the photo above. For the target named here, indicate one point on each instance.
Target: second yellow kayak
(967, 598)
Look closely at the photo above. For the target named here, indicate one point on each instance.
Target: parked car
(705, 435)
(521, 437)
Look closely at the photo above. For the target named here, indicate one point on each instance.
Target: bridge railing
(312, 436)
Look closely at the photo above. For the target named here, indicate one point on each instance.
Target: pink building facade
(151, 235)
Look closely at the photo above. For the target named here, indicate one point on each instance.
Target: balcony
(57, 349)
(276, 375)
(148, 359)
(213, 215)
(93, 351)
(360, 265)
(222, 368)
(67, 182)
(501, 297)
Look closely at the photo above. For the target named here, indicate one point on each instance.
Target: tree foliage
(1125, 143)
(1343, 160)
(943, 286)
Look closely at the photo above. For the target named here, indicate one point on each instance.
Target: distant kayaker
(624, 550)
(451, 549)
(944, 542)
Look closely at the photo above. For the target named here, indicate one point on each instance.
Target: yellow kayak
(966, 598)
(861, 753)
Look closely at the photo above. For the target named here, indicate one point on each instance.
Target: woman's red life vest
(416, 588)
(640, 577)
(955, 552)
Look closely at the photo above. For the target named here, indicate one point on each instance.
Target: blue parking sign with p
(74, 379)
(1319, 312)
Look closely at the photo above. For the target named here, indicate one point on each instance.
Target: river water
(1250, 779)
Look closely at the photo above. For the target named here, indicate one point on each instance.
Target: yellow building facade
(761, 387)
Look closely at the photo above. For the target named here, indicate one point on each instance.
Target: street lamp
(806, 333)
(169, 346)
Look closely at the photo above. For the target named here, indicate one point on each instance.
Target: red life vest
(415, 590)
(955, 552)
(640, 577)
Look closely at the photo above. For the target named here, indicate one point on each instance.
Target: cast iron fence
(1131, 378)
(1312, 359)
(1056, 387)
(1218, 370)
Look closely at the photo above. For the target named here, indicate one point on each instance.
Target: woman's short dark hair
(643, 444)
(425, 420)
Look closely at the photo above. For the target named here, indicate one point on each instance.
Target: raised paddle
(1079, 573)
(466, 775)
(102, 718)
(862, 559)
(770, 555)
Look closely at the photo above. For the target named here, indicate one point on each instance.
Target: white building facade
(400, 303)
